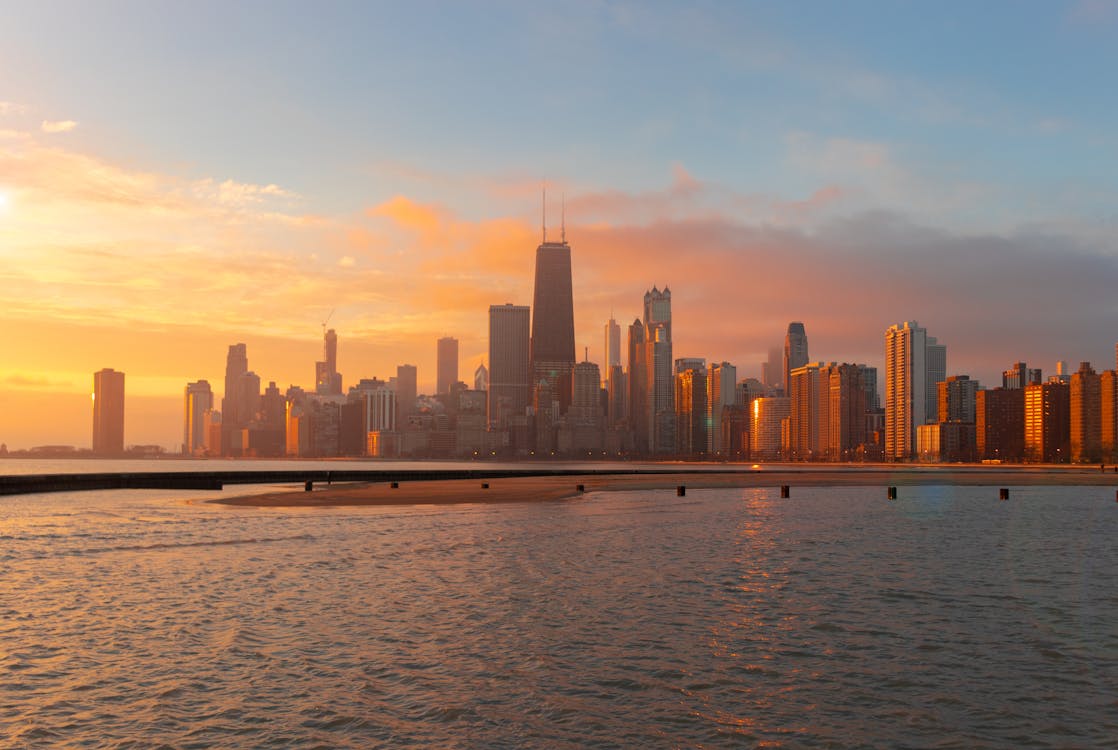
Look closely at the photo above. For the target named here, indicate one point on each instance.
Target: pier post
(308, 486)
(892, 493)
(1003, 493)
(681, 490)
(785, 490)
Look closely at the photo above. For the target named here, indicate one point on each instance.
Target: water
(727, 618)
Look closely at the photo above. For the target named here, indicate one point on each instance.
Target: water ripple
(628, 619)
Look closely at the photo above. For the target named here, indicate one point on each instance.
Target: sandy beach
(550, 488)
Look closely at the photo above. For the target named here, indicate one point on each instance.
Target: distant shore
(547, 488)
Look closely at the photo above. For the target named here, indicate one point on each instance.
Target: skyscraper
(1086, 415)
(327, 379)
(935, 362)
(406, 391)
(721, 392)
(1047, 421)
(612, 344)
(447, 364)
(809, 411)
(233, 416)
(198, 398)
(999, 417)
(108, 412)
(509, 375)
(638, 386)
(847, 411)
(795, 352)
(553, 320)
(481, 378)
(906, 385)
(586, 398)
(1108, 414)
(658, 371)
(956, 399)
(766, 418)
(772, 369)
(691, 407)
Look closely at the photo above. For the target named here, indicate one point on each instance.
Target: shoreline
(552, 488)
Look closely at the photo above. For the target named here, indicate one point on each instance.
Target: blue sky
(321, 97)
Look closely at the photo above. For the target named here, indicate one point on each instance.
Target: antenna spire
(545, 213)
(563, 220)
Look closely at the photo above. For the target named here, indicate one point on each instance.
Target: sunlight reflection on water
(729, 617)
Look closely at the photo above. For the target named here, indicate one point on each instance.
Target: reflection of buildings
(108, 412)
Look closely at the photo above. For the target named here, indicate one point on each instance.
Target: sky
(179, 177)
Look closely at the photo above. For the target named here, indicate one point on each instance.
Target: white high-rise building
(914, 363)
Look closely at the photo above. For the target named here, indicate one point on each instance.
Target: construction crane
(324, 332)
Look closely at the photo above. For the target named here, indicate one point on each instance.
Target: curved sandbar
(544, 488)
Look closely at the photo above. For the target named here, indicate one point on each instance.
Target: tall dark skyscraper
(446, 364)
(406, 389)
(234, 415)
(327, 379)
(660, 399)
(553, 319)
(795, 352)
(236, 365)
(638, 385)
(108, 412)
(509, 375)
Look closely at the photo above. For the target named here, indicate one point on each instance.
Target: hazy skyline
(175, 178)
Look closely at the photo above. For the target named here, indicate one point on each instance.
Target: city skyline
(766, 174)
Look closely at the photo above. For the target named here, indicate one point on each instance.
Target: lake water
(726, 618)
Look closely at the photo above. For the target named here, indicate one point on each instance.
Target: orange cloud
(408, 214)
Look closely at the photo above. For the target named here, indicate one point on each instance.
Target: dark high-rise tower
(327, 379)
(509, 374)
(553, 319)
(795, 352)
(446, 367)
(108, 412)
(234, 415)
(660, 398)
